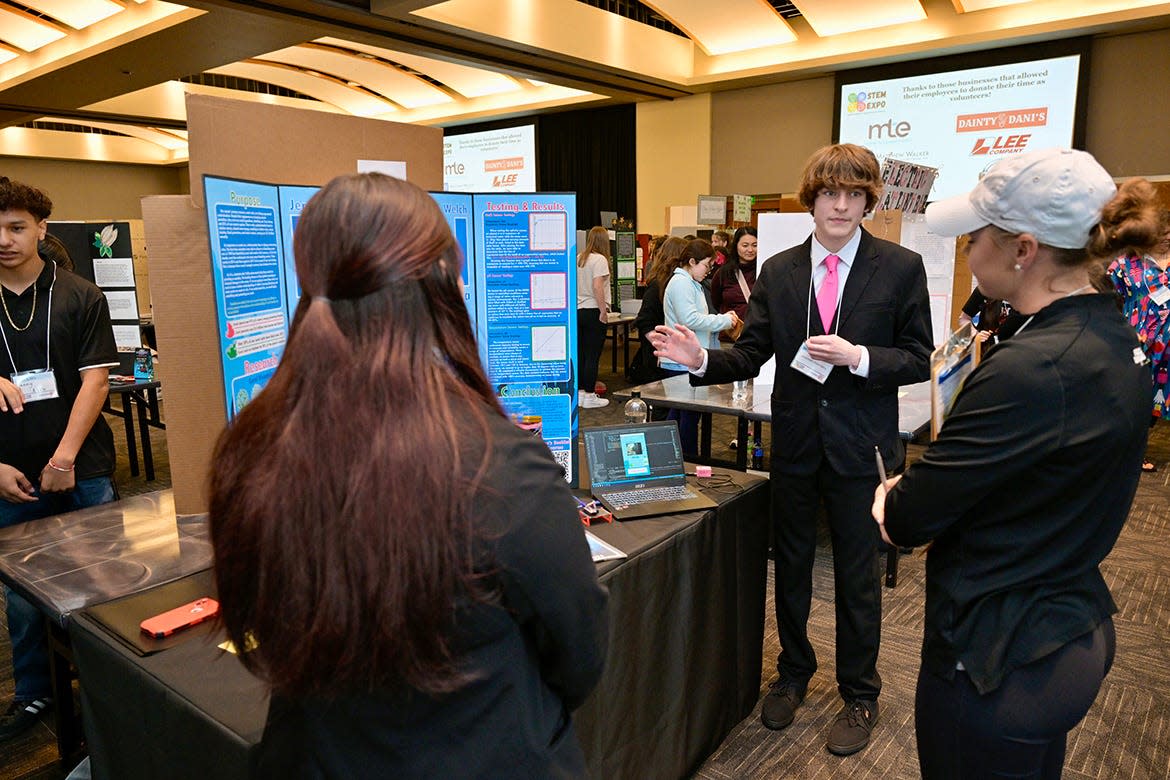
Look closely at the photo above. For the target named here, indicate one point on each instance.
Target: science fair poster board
(963, 121)
(102, 253)
(292, 203)
(456, 207)
(526, 298)
(248, 276)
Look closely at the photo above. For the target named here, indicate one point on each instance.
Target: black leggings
(591, 333)
(1019, 729)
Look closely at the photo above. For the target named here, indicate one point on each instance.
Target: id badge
(39, 385)
(1160, 296)
(817, 370)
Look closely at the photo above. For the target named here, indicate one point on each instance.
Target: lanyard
(1028, 321)
(836, 317)
(48, 326)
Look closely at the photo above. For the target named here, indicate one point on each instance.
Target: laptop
(636, 470)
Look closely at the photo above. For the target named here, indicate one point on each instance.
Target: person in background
(1027, 486)
(988, 316)
(684, 302)
(1142, 279)
(593, 300)
(650, 315)
(56, 450)
(847, 317)
(732, 282)
(719, 242)
(425, 604)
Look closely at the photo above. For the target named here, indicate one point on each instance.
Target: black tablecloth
(687, 615)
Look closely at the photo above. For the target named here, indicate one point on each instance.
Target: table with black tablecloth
(684, 665)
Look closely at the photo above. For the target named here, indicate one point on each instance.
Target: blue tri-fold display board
(526, 301)
(248, 271)
(520, 288)
(456, 208)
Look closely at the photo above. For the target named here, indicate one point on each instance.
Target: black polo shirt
(81, 338)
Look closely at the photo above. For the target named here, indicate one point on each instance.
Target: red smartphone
(178, 618)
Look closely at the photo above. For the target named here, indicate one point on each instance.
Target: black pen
(881, 464)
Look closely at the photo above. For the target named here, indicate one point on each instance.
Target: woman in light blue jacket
(685, 301)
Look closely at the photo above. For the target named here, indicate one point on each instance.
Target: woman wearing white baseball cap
(1030, 480)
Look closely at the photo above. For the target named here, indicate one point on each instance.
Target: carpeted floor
(1120, 738)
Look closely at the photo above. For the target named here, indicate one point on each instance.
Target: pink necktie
(827, 297)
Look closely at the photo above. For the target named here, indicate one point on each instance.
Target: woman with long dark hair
(407, 563)
(1026, 488)
(732, 282)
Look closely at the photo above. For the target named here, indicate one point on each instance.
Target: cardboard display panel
(184, 319)
(242, 140)
(258, 142)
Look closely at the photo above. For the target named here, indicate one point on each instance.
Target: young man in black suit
(847, 317)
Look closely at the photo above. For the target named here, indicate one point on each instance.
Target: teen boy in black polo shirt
(56, 451)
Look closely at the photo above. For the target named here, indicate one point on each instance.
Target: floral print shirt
(1141, 284)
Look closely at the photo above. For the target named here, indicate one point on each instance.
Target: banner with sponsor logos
(501, 160)
(961, 122)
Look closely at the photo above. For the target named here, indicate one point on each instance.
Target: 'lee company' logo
(505, 180)
(1001, 144)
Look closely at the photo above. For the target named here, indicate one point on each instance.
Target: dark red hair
(339, 507)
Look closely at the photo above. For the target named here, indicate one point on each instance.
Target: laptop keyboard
(646, 495)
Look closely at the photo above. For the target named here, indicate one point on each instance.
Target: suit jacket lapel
(800, 277)
(865, 264)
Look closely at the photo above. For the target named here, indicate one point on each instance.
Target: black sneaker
(851, 729)
(22, 716)
(780, 704)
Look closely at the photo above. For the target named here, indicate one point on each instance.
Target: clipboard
(950, 365)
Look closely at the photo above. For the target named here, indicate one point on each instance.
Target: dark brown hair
(695, 249)
(340, 504)
(15, 196)
(52, 249)
(665, 261)
(841, 167)
(725, 273)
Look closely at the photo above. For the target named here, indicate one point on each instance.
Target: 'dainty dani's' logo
(104, 241)
(857, 102)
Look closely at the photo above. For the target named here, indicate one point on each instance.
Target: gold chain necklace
(31, 314)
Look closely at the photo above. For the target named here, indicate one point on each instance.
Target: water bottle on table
(636, 409)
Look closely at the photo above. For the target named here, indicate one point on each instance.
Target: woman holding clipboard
(1026, 488)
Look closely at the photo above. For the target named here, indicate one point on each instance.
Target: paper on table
(602, 551)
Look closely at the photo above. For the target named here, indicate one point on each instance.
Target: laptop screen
(632, 456)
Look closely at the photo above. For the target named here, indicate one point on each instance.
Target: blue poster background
(456, 208)
(292, 202)
(526, 301)
(247, 264)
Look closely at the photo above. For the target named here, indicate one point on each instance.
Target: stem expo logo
(858, 102)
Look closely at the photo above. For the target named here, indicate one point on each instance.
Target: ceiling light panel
(403, 88)
(728, 26)
(467, 81)
(25, 31)
(78, 14)
(970, 6)
(837, 17)
(327, 90)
